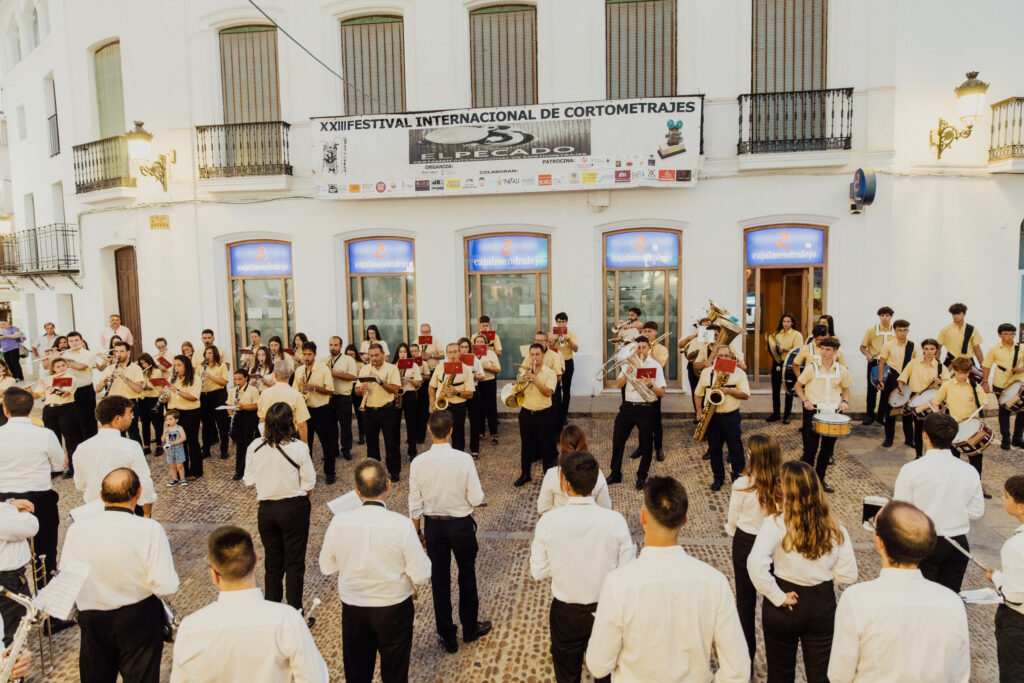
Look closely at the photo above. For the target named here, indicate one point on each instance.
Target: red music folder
(164, 362)
(480, 350)
(467, 358)
(725, 365)
(488, 335)
(426, 339)
(418, 360)
(246, 351)
(406, 363)
(652, 373)
(560, 330)
(452, 368)
(159, 382)
(290, 352)
(62, 382)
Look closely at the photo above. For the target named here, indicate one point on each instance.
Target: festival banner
(650, 142)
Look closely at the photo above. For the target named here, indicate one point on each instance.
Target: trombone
(627, 356)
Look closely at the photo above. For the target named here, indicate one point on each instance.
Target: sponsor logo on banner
(544, 180)
(589, 177)
(507, 252)
(381, 187)
(573, 178)
(437, 184)
(353, 188)
(422, 185)
(622, 176)
(522, 140)
(641, 249)
(682, 176)
(451, 184)
(666, 176)
(255, 259)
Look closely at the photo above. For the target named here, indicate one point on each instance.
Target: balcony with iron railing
(1007, 141)
(238, 150)
(102, 164)
(46, 250)
(804, 121)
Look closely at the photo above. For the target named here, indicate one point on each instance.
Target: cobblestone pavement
(517, 649)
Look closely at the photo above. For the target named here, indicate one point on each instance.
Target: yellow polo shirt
(282, 393)
(119, 387)
(175, 402)
(894, 353)
(696, 347)
(566, 348)
(218, 371)
(319, 375)
(413, 373)
(810, 352)
(1000, 359)
(737, 380)
(461, 382)
(56, 396)
(197, 357)
(341, 363)
(87, 357)
(378, 396)
(951, 338)
(149, 391)
(919, 375)
(491, 357)
(495, 344)
(532, 398)
(247, 396)
(789, 340)
(959, 398)
(431, 348)
(553, 360)
(817, 384)
(660, 354)
(876, 339)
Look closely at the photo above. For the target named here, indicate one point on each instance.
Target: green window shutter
(503, 47)
(373, 59)
(789, 41)
(641, 48)
(249, 76)
(109, 90)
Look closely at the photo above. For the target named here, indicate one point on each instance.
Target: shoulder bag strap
(908, 354)
(968, 333)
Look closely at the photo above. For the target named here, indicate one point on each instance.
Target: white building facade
(795, 96)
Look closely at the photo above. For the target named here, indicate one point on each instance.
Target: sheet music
(58, 597)
(981, 596)
(346, 503)
(707, 335)
(88, 510)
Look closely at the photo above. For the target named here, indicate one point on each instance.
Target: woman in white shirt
(809, 550)
(372, 337)
(551, 494)
(475, 407)
(755, 495)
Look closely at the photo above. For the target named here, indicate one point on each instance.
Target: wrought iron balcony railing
(243, 149)
(1007, 130)
(51, 125)
(804, 121)
(49, 249)
(102, 164)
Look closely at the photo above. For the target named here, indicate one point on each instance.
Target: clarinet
(231, 422)
(113, 376)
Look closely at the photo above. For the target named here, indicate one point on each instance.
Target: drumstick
(965, 552)
(974, 413)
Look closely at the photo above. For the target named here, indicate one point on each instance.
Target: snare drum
(975, 374)
(898, 400)
(789, 372)
(1012, 398)
(922, 403)
(973, 437)
(832, 424)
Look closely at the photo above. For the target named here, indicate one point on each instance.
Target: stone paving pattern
(517, 648)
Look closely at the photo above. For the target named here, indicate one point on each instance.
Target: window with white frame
(373, 59)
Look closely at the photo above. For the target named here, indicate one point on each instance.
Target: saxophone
(20, 636)
(714, 398)
(440, 400)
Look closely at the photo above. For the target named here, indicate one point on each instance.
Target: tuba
(728, 328)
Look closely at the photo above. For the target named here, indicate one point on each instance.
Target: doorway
(128, 294)
(783, 290)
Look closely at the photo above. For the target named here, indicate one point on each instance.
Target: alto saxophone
(440, 400)
(713, 399)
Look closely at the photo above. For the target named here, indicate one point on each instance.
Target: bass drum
(789, 373)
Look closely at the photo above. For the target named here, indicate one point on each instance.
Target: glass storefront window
(262, 295)
(382, 289)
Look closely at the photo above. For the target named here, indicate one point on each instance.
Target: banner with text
(651, 142)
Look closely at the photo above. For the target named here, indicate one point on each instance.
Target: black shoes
(868, 420)
(909, 443)
(635, 454)
(659, 455)
(1017, 443)
(640, 481)
(887, 443)
(395, 478)
(826, 488)
(362, 440)
(613, 478)
(785, 419)
(330, 478)
(707, 455)
(347, 455)
(774, 417)
(482, 629)
(58, 625)
(524, 478)
(1005, 446)
(986, 494)
(236, 477)
(450, 645)
(717, 486)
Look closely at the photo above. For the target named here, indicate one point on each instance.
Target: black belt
(642, 404)
(445, 518)
(535, 412)
(389, 404)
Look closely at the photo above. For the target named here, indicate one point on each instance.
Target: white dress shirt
(130, 559)
(273, 476)
(745, 511)
(98, 456)
(27, 456)
(377, 556)
(900, 628)
(837, 565)
(551, 495)
(576, 545)
(945, 488)
(443, 482)
(242, 637)
(1010, 579)
(658, 617)
(659, 380)
(15, 530)
(109, 333)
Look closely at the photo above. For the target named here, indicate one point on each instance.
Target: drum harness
(968, 333)
(828, 383)
(1009, 371)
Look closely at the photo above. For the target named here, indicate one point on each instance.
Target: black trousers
(46, 512)
(215, 422)
(378, 422)
(908, 427)
(459, 412)
(13, 580)
(535, 439)
(872, 393)
(357, 401)
(365, 631)
(746, 594)
(127, 640)
(476, 421)
(1009, 639)
(85, 404)
(642, 418)
(571, 625)
(777, 370)
(341, 408)
(810, 624)
(657, 425)
(946, 565)
(243, 432)
(189, 421)
(444, 538)
(151, 425)
(423, 399)
(724, 429)
(693, 378)
(488, 391)
(63, 421)
(977, 461)
(556, 407)
(1009, 437)
(563, 408)
(811, 440)
(284, 530)
(13, 359)
(891, 384)
(918, 443)
(324, 426)
(411, 412)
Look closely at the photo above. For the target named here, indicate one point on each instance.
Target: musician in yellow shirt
(379, 402)
(566, 345)
(960, 338)
(432, 353)
(823, 386)
(313, 380)
(660, 354)
(1004, 363)
(485, 326)
(891, 360)
(724, 426)
(343, 375)
(244, 421)
(785, 338)
(922, 374)
(689, 346)
(460, 389)
(875, 339)
(964, 399)
(536, 415)
(214, 376)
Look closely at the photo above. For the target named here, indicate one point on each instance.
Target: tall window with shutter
(373, 58)
(788, 51)
(109, 92)
(503, 47)
(248, 68)
(641, 48)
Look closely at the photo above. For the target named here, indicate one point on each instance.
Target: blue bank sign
(785, 245)
(507, 252)
(641, 249)
(380, 256)
(261, 259)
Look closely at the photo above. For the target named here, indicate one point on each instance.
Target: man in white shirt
(17, 525)
(576, 545)
(108, 450)
(115, 328)
(45, 342)
(900, 627)
(120, 615)
(658, 617)
(444, 488)
(241, 636)
(379, 561)
(1010, 584)
(28, 456)
(948, 490)
(638, 412)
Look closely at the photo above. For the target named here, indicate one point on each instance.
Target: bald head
(120, 487)
(907, 535)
